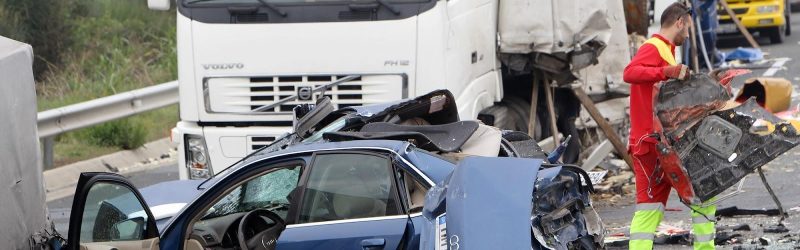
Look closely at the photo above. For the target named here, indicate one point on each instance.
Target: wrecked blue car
(408, 175)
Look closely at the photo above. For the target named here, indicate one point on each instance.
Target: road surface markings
(776, 66)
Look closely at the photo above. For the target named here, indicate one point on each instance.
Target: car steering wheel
(266, 239)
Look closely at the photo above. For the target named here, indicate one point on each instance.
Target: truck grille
(243, 94)
(258, 142)
(737, 11)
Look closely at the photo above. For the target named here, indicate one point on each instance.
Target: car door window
(112, 213)
(348, 186)
(270, 191)
(415, 192)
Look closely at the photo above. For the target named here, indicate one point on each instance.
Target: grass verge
(114, 46)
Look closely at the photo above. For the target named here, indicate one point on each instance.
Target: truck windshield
(236, 2)
(301, 11)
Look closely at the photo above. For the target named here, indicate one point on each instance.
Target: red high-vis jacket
(645, 70)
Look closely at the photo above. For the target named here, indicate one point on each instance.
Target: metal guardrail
(60, 120)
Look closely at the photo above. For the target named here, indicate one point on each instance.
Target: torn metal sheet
(430, 122)
(567, 220)
(680, 105)
(551, 26)
(707, 146)
(438, 138)
(565, 39)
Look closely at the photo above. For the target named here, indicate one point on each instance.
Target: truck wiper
(264, 3)
(389, 6)
(272, 7)
(197, 1)
(294, 97)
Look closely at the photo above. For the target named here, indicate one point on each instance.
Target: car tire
(777, 34)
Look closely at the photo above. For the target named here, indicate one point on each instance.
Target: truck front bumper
(224, 145)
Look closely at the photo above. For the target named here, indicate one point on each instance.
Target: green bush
(44, 24)
(86, 49)
(125, 134)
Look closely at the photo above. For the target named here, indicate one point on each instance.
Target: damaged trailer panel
(568, 40)
(709, 142)
(23, 214)
(527, 26)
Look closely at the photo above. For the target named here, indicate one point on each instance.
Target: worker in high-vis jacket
(653, 63)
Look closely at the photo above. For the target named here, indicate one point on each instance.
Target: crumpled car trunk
(709, 142)
(542, 208)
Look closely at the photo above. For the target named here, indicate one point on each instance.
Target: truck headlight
(197, 157)
(767, 9)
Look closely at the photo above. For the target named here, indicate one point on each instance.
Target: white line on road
(775, 67)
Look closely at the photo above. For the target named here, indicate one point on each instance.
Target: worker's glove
(680, 72)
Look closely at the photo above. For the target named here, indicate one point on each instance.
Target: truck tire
(523, 108)
(512, 113)
(777, 34)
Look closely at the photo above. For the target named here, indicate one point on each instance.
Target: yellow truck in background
(771, 18)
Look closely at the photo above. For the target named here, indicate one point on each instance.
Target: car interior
(337, 190)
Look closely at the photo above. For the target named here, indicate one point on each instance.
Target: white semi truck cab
(237, 57)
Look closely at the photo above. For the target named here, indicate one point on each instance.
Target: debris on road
(737, 227)
(727, 238)
(745, 55)
(671, 235)
(780, 228)
(736, 211)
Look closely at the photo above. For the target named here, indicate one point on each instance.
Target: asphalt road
(60, 209)
(782, 173)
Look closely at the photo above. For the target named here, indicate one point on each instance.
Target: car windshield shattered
(268, 191)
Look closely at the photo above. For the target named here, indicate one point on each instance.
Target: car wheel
(777, 34)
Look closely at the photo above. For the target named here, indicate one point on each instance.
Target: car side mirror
(158, 4)
(130, 229)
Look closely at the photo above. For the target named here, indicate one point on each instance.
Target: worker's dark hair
(674, 12)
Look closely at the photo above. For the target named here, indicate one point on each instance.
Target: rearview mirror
(130, 229)
(158, 4)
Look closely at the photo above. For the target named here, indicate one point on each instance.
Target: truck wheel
(512, 113)
(523, 109)
(777, 34)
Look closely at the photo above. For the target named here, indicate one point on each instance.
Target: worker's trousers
(652, 192)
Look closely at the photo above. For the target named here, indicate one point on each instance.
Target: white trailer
(236, 57)
(23, 213)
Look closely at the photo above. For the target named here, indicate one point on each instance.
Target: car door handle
(370, 244)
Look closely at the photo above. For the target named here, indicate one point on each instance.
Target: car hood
(165, 205)
(468, 201)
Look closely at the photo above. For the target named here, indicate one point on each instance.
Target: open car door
(109, 213)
